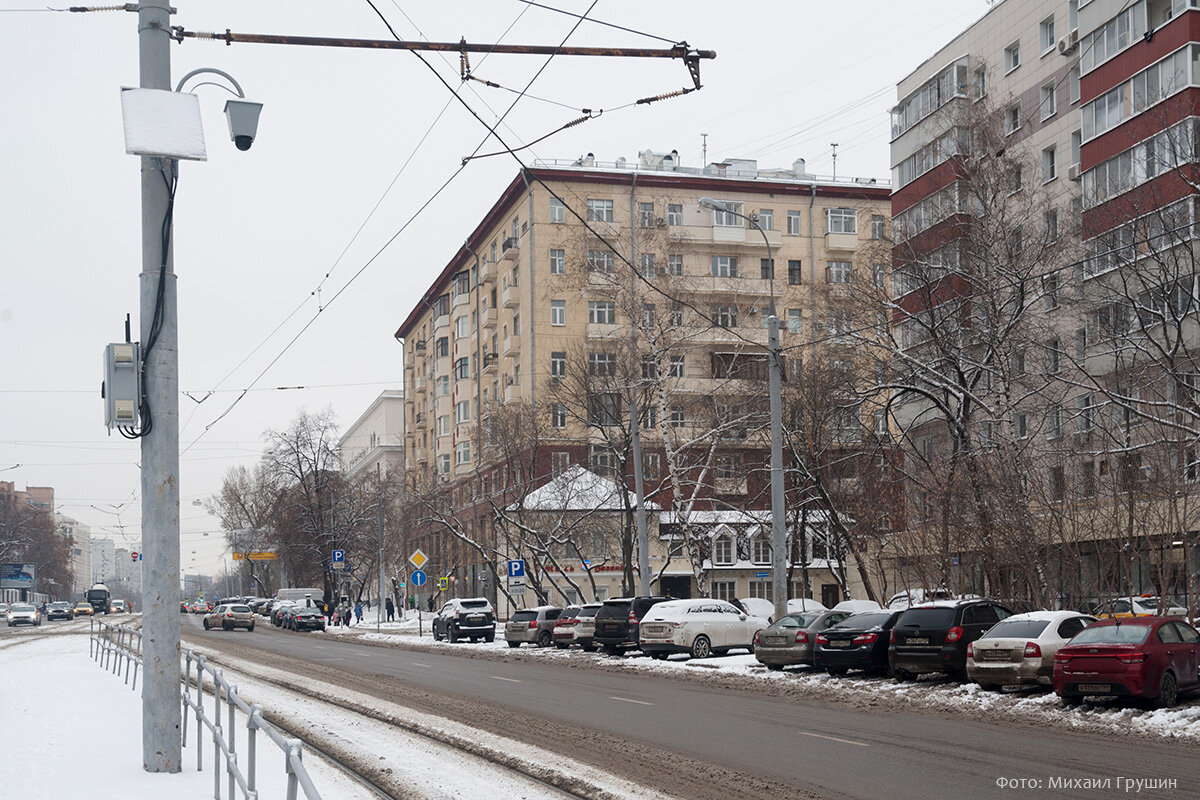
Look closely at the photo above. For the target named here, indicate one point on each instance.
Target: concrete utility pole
(161, 750)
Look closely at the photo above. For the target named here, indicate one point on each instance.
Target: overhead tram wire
(599, 21)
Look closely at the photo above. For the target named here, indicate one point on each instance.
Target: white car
(697, 627)
(1020, 649)
(23, 614)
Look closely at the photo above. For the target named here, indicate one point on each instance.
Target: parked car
(858, 642)
(1020, 649)
(3, 608)
(563, 634)
(23, 614)
(533, 625)
(230, 616)
(1155, 658)
(933, 637)
(59, 610)
(468, 617)
(1145, 606)
(797, 605)
(617, 622)
(857, 606)
(278, 610)
(915, 597)
(758, 607)
(789, 640)
(585, 628)
(306, 619)
(698, 627)
(83, 609)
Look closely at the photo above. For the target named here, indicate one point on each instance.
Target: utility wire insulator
(667, 96)
(87, 9)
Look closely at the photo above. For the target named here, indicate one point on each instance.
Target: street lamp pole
(775, 388)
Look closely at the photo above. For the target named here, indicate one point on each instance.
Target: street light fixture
(775, 368)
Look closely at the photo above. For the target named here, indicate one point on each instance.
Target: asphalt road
(812, 748)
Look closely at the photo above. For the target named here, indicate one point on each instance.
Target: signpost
(418, 579)
(516, 577)
(338, 560)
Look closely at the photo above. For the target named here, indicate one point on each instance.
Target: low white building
(375, 442)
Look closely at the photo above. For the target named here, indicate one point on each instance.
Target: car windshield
(587, 613)
(20, 607)
(926, 618)
(1017, 629)
(796, 621)
(524, 616)
(1112, 634)
(862, 622)
(59, 605)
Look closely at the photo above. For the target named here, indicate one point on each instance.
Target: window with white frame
(1073, 85)
(461, 327)
(444, 464)
(730, 218)
(599, 210)
(1046, 34)
(723, 550)
(1012, 119)
(675, 264)
(1050, 224)
(793, 223)
(443, 425)
(724, 590)
(558, 260)
(560, 462)
(841, 220)
(979, 83)
(600, 261)
(646, 215)
(766, 219)
(646, 265)
(878, 227)
(724, 316)
(724, 266)
(1076, 146)
(558, 312)
(838, 271)
(462, 452)
(602, 312)
(558, 364)
(650, 464)
(1054, 423)
(602, 364)
(794, 320)
(558, 415)
(1012, 57)
(676, 367)
(443, 385)
(762, 590)
(603, 461)
(462, 411)
(558, 211)
(760, 549)
(1049, 104)
(1049, 164)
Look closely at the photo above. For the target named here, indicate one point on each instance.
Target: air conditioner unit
(1073, 172)
(1068, 43)
(555, 380)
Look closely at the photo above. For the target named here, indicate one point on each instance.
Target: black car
(857, 642)
(306, 619)
(465, 618)
(934, 637)
(617, 623)
(59, 610)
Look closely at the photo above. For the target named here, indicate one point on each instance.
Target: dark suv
(933, 637)
(467, 618)
(617, 623)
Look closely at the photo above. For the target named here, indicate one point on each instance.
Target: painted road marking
(833, 738)
(415, 664)
(510, 680)
(627, 700)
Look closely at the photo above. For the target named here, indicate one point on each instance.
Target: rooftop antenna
(834, 146)
(703, 149)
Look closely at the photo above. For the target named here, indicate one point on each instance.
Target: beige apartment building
(585, 279)
(374, 444)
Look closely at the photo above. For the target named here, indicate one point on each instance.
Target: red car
(1151, 657)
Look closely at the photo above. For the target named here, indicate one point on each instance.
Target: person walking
(358, 612)
(390, 608)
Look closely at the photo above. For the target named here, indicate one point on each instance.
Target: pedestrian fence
(119, 647)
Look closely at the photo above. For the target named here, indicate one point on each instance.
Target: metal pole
(161, 750)
(379, 599)
(778, 527)
(639, 485)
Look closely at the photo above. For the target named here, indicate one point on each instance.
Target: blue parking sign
(338, 556)
(516, 568)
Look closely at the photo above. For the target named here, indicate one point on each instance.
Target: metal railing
(119, 648)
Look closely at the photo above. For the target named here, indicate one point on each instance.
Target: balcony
(490, 361)
(510, 250)
(419, 384)
(441, 324)
(510, 347)
(488, 318)
(744, 336)
(461, 299)
(510, 295)
(733, 235)
(737, 485)
(752, 287)
(597, 330)
(841, 241)
(512, 392)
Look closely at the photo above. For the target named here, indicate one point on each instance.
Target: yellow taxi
(83, 609)
(1143, 606)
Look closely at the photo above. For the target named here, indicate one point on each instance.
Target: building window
(760, 550)
(1016, 179)
(443, 385)
(650, 464)
(461, 327)
(646, 264)
(766, 219)
(1012, 119)
(649, 315)
(1049, 164)
(730, 218)
(838, 271)
(723, 551)
(602, 312)
(444, 464)
(462, 453)
(675, 264)
(793, 223)
(724, 590)
(879, 273)
(1022, 426)
(516, 324)
(724, 316)
(728, 467)
(1054, 423)
(558, 364)
(1053, 356)
(676, 315)
(599, 210)
(558, 211)
(600, 261)
(1058, 483)
(558, 260)
(841, 323)
(1073, 84)
(1050, 223)
(763, 590)
(462, 411)
(558, 415)
(841, 220)
(462, 368)
(878, 227)
(442, 346)
(1019, 363)
(1046, 34)
(1049, 105)
(795, 272)
(646, 215)
(678, 416)
(1012, 58)
(604, 409)
(793, 320)
(649, 367)
(602, 364)
(766, 268)
(558, 312)
(724, 266)
(560, 462)
(979, 83)
(676, 367)
(443, 425)
(674, 214)
(1076, 144)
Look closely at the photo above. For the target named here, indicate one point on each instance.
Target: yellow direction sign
(263, 556)
(418, 559)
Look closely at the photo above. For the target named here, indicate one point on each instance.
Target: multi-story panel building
(586, 279)
(81, 552)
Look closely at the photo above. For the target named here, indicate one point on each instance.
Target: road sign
(135, 556)
(418, 559)
(443, 584)
(263, 556)
(418, 578)
(516, 568)
(516, 589)
(339, 566)
(762, 574)
(338, 555)
(400, 584)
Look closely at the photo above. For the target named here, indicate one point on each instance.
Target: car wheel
(250, 627)
(701, 647)
(587, 648)
(514, 644)
(225, 626)
(544, 639)
(775, 667)
(902, 675)
(451, 635)
(659, 656)
(491, 637)
(563, 645)
(205, 624)
(1168, 691)
(1071, 700)
(837, 672)
(612, 651)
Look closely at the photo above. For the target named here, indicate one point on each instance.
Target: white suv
(467, 617)
(698, 627)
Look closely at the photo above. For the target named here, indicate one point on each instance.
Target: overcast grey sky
(256, 233)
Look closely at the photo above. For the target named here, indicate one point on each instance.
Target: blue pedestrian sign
(338, 556)
(516, 568)
(418, 578)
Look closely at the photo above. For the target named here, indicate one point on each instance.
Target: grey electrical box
(122, 389)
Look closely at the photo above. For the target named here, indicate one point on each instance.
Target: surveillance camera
(242, 116)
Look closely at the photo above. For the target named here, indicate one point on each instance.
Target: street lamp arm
(215, 71)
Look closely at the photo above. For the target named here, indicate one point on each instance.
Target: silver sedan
(1021, 648)
(789, 641)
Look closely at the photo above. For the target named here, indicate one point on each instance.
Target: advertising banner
(17, 576)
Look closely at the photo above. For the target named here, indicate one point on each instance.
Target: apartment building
(587, 278)
(81, 552)
(374, 444)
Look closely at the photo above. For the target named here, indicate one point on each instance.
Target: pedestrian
(390, 607)
(431, 602)
(358, 612)
(334, 619)
(346, 615)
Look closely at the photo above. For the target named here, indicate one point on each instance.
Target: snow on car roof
(1050, 616)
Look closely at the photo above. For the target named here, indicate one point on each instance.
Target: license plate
(838, 643)
(475, 620)
(992, 655)
(777, 639)
(1095, 688)
(917, 640)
